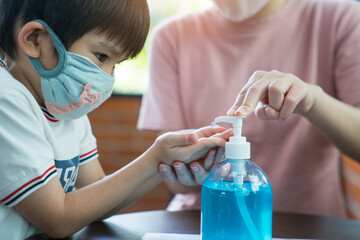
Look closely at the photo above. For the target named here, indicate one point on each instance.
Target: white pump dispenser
(236, 198)
(237, 147)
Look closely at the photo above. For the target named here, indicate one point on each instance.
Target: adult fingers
(294, 96)
(220, 155)
(167, 173)
(265, 112)
(183, 174)
(241, 96)
(256, 92)
(209, 159)
(277, 90)
(199, 173)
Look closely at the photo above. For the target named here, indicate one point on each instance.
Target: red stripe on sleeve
(28, 183)
(88, 153)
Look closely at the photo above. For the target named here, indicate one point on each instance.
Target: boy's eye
(101, 57)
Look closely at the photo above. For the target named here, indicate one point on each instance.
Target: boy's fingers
(204, 132)
(206, 144)
(198, 150)
(175, 139)
(201, 148)
(217, 129)
(209, 131)
(224, 135)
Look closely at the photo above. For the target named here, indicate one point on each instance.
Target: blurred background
(132, 76)
(114, 123)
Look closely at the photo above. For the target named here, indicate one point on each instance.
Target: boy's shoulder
(11, 86)
(13, 93)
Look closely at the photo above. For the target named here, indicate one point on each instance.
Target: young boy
(59, 57)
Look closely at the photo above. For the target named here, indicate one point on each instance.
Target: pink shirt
(200, 62)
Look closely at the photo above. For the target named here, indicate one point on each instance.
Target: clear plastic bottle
(236, 196)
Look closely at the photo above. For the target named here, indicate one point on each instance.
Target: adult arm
(275, 96)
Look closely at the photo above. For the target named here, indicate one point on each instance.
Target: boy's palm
(208, 148)
(187, 147)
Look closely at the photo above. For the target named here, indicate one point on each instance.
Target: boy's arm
(92, 172)
(139, 193)
(89, 173)
(180, 180)
(59, 214)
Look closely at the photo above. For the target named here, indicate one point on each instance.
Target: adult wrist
(318, 93)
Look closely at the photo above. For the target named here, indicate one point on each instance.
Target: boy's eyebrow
(111, 48)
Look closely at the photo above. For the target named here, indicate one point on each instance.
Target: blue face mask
(76, 86)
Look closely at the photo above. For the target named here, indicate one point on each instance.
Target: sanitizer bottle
(236, 197)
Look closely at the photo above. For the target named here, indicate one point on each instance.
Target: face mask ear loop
(60, 48)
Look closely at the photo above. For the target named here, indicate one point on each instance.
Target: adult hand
(196, 172)
(273, 95)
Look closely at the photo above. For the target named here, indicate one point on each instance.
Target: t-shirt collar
(48, 116)
(4, 65)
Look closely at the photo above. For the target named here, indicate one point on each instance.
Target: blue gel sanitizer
(236, 198)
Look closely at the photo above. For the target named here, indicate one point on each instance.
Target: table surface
(133, 226)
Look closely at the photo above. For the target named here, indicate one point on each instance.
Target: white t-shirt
(33, 148)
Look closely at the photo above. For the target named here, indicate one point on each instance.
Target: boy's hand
(273, 95)
(187, 146)
(198, 170)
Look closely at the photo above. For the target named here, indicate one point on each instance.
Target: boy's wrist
(155, 155)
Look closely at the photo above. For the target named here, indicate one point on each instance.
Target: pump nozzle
(237, 123)
(237, 147)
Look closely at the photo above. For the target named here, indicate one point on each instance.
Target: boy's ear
(31, 36)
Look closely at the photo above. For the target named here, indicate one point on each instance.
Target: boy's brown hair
(125, 21)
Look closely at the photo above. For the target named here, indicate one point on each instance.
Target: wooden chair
(351, 182)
